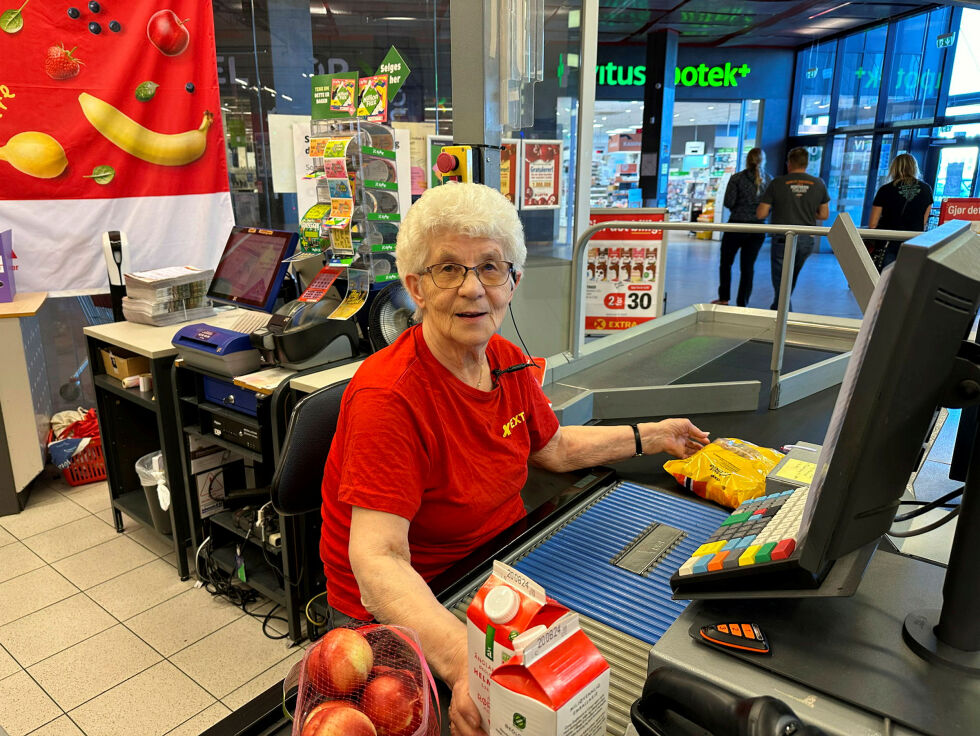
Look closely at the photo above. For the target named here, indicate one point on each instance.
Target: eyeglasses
(450, 275)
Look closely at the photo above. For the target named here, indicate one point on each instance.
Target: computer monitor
(912, 356)
(251, 269)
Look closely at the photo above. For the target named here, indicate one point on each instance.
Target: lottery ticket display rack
(355, 222)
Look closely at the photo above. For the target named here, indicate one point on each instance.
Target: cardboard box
(507, 605)
(557, 685)
(120, 363)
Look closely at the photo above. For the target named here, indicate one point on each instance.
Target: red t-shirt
(415, 441)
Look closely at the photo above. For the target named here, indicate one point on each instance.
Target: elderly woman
(433, 440)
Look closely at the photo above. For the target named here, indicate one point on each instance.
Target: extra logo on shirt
(514, 421)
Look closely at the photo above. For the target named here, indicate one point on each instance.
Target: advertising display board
(624, 273)
(961, 208)
(541, 174)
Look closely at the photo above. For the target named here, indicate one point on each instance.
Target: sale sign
(961, 208)
(541, 173)
(624, 271)
(110, 119)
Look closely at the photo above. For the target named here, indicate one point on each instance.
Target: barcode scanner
(115, 248)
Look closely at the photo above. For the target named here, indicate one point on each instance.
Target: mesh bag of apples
(369, 681)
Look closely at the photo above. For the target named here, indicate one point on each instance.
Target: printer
(216, 349)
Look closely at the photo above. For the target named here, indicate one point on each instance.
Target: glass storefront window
(861, 58)
(964, 85)
(957, 168)
(815, 79)
(913, 85)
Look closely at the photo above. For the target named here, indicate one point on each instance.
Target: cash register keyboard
(250, 320)
(756, 547)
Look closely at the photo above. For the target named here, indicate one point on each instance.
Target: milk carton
(556, 685)
(507, 605)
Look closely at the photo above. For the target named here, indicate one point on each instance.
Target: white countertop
(147, 340)
(321, 379)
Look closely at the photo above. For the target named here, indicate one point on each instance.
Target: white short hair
(471, 210)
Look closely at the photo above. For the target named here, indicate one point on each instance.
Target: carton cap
(522, 640)
(501, 604)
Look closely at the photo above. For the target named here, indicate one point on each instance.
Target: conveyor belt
(622, 612)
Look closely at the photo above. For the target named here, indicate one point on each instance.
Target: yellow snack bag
(727, 471)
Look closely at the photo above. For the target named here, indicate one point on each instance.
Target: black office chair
(299, 472)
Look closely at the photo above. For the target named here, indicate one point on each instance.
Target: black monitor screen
(919, 317)
(251, 268)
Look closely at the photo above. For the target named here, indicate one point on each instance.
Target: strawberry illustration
(60, 64)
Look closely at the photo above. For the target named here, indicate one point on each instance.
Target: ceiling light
(828, 10)
(691, 119)
(397, 18)
(711, 107)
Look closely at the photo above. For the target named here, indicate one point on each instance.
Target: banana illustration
(165, 149)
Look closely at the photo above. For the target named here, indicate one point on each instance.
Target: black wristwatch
(639, 442)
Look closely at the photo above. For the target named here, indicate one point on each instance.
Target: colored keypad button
(717, 561)
(748, 556)
(701, 564)
(735, 518)
(783, 549)
(723, 628)
(765, 552)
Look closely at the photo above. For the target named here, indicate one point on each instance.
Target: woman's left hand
(678, 437)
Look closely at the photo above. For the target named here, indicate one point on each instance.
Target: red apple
(393, 702)
(340, 662)
(342, 721)
(318, 712)
(168, 33)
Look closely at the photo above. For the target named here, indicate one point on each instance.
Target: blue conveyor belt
(573, 564)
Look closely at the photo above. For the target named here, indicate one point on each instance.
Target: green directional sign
(397, 70)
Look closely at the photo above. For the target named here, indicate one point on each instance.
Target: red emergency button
(446, 162)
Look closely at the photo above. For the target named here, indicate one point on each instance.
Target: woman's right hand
(464, 716)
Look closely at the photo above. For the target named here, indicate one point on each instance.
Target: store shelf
(226, 520)
(258, 574)
(195, 431)
(133, 504)
(145, 399)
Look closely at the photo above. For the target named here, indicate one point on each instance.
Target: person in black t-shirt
(742, 198)
(795, 198)
(901, 204)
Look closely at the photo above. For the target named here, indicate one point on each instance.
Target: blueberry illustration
(74, 13)
(94, 6)
(189, 86)
(114, 26)
(95, 28)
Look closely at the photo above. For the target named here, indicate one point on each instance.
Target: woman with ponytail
(742, 198)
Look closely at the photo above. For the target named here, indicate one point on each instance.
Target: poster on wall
(110, 119)
(541, 175)
(624, 271)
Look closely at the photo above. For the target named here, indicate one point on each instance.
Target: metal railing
(577, 309)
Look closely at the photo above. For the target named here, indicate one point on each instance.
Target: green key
(735, 518)
(764, 554)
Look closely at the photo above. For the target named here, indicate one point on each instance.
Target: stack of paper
(166, 296)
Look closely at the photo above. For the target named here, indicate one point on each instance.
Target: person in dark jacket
(742, 198)
(901, 204)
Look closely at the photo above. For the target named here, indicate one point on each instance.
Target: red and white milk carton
(508, 604)
(555, 685)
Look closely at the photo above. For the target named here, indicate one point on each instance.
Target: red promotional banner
(110, 101)
(959, 208)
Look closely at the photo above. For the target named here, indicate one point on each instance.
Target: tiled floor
(99, 636)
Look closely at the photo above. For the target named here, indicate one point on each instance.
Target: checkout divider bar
(577, 306)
